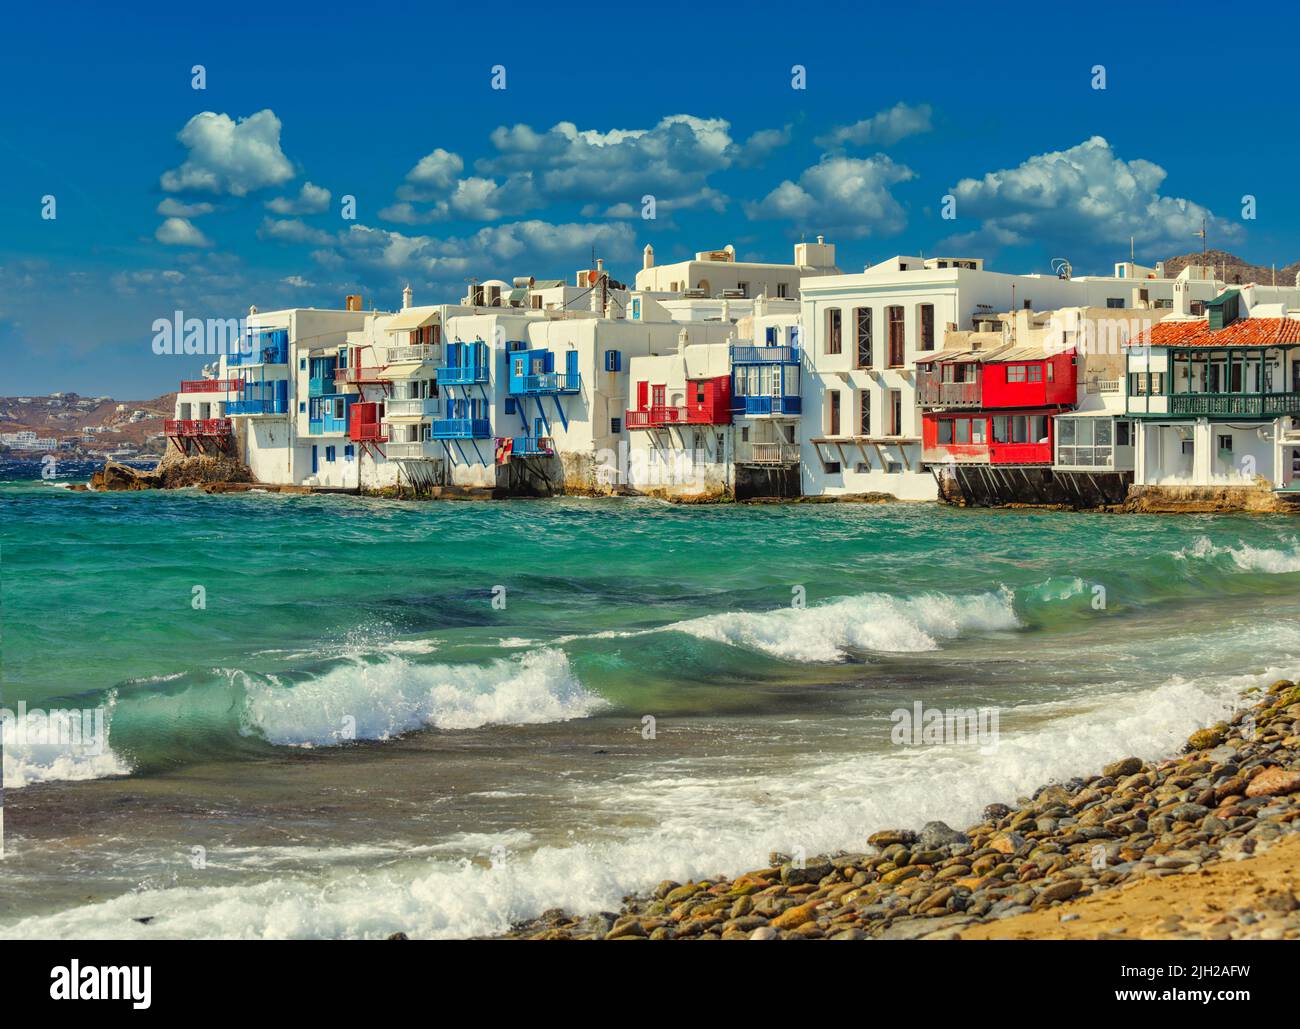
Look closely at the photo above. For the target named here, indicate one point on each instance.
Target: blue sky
(208, 200)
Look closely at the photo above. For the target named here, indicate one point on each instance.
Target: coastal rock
(1007, 842)
(1123, 767)
(1205, 739)
(1063, 890)
(995, 812)
(891, 837)
(936, 835)
(1273, 782)
(813, 870)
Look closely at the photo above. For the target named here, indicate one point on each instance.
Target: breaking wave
(386, 699)
(59, 745)
(1244, 557)
(871, 622)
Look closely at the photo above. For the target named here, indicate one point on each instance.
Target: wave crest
(385, 699)
(871, 622)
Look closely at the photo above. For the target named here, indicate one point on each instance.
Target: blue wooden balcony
(546, 383)
(462, 374)
(266, 346)
(260, 398)
(324, 417)
(460, 428)
(258, 405)
(759, 406)
(764, 355)
(532, 446)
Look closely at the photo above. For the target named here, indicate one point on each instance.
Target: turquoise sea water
(433, 717)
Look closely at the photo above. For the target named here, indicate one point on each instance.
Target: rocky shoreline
(1233, 793)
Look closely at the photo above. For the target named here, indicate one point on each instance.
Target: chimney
(1182, 302)
(648, 257)
(406, 297)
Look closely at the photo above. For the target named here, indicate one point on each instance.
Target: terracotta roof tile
(1249, 332)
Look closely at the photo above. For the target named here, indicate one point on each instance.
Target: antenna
(1202, 234)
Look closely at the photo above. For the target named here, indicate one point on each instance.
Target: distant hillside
(1232, 269)
(90, 424)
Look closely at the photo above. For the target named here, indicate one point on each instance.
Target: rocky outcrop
(1258, 498)
(174, 471)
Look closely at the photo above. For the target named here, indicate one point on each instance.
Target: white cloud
(1084, 199)
(292, 230)
(180, 232)
(846, 195)
(435, 173)
(311, 199)
(671, 161)
(229, 157)
(297, 281)
(881, 129)
(173, 208)
(674, 157)
(511, 249)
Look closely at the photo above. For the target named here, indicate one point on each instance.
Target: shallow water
(349, 737)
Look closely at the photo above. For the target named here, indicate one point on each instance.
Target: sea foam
(703, 825)
(382, 699)
(870, 622)
(1246, 558)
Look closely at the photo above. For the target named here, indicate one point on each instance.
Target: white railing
(413, 451)
(422, 407)
(422, 352)
(768, 453)
(1103, 386)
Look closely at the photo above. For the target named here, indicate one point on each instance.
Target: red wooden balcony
(708, 402)
(357, 375)
(194, 428)
(364, 423)
(212, 385)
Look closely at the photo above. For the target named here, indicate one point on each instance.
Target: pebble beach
(1197, 823)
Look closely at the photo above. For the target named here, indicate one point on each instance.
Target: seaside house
(1216, 398)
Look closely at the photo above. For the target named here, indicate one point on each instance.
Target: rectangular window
(961, 430)
(1225, 443)
(977, 431)
(1034, 372)
(833, 412)
(1157, 383)
(831, 467)
(1001, 429)
(1123, 435)
(895, 412)
(927, 327)
(897, 345)
(1015, 373)
(349, 451)
(944, 431)
(862, 329)
(834, 342)
(615, 426)
(1114, 302)
(781, 288)
(1019, 429)
(864, 412)
(613, 361)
